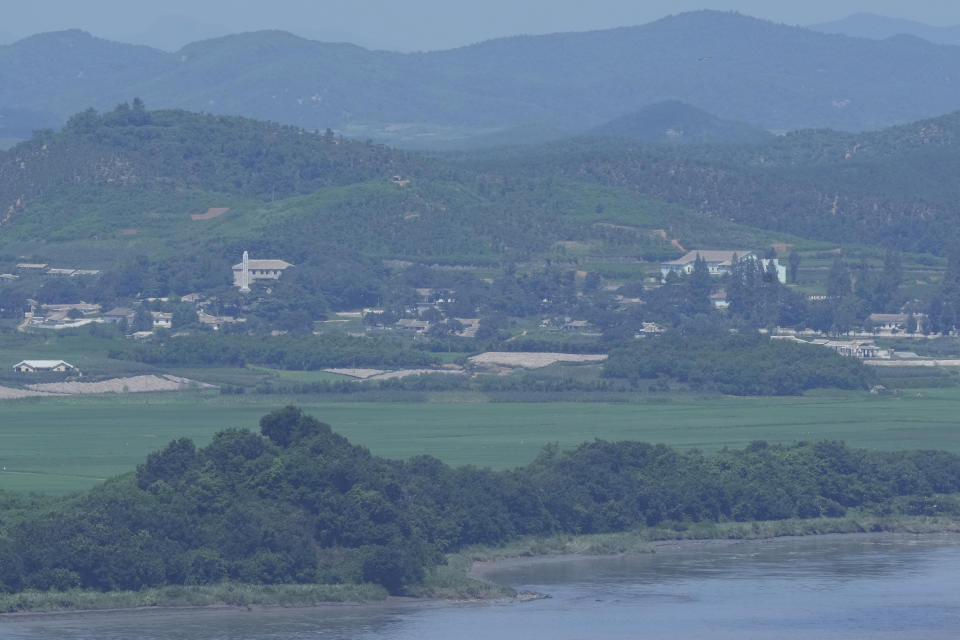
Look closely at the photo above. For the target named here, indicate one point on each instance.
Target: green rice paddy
(58, 445)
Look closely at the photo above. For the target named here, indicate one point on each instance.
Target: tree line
(298, 503)
(736, 364)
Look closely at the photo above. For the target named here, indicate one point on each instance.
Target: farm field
(58, 445)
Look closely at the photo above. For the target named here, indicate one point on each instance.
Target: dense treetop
(736, 364)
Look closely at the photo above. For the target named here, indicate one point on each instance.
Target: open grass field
(62, 444)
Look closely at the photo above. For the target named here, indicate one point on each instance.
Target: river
(884, 586)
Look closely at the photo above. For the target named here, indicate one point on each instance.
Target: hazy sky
(412, 24)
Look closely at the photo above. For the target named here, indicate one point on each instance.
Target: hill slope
(676, 122)
(740, 68)
(133, 180)
(891, 187)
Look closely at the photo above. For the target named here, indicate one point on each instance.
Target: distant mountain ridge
(877, 27)
(739, 68)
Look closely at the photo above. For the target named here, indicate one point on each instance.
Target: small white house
(43, 366)
(161, 320)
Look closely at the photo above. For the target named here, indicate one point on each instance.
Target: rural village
(146, 320)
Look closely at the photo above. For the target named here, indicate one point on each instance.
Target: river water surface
(820, 587)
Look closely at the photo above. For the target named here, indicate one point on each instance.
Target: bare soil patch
(406, 373)
(361, 374)
(8, 393)
(912, 363)
(617, 227)
(530, 360)
(135, 384)
(213, 212)
(781, 247)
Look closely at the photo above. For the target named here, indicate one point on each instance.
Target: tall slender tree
(838, 279)
(699, 287)
(793, 266)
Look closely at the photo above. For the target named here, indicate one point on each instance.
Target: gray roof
(710, 255)
(44, 364)
(269, 265)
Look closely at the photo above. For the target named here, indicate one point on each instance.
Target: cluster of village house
(719, 263)
(65, 316)
(31, 267)
(250, 270)
(60, 316)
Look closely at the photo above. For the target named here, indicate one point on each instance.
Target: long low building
(855, 348)
(43, 366)
(718, 263)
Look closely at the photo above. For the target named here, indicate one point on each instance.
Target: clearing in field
(210, 214)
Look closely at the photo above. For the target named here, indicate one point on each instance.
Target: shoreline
(476, 564)
(174, 611)
(481, 569)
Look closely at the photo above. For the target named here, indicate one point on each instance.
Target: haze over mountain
(739, 68)
(172, 33)
(425, 25)
(876, 27)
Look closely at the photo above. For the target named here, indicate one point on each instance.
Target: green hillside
(132, 180)
(893, 187)
(164, 202)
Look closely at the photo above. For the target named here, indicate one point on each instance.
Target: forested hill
(132, 146)
(737, 67)
(300, 194)
(894, 187)
(676, 122)
(135, 178)
(300, 504)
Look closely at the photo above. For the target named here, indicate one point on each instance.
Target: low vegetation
(285, 352)
(299, 504)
